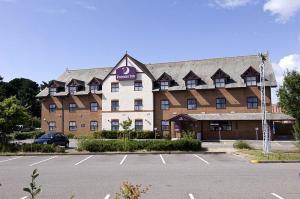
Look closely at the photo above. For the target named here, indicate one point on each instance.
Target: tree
(289, 98)
(126, 124)
(3, 89)
(12, 113)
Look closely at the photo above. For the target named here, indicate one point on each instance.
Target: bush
(242, 145)
(120, 134)
(94, 145)
(71, 135)
(28, 135)
(43, 148)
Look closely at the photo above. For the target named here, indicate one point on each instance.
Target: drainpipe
(62, 115)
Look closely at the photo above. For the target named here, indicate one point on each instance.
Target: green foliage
(242, 145)
(289, 97)
(28, 135)
(42, 148)
(33, 188)
(11, 114)
(94, 145)
(71, 135)
(130, 191)
(119, 134)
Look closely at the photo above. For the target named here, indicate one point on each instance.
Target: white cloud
(282, 9)
(289, 62)
(231, 3)
(85, 5)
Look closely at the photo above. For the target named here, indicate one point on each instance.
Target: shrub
(71, 135)
(120, 134)
(28, 135)
(94, 145)
(242, 145)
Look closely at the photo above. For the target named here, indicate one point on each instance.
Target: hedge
(119, 134)
(94, 145)
(43, 148)
(28, 135)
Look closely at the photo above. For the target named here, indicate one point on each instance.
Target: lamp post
(155, 129)
(256, 130)
(220, 128)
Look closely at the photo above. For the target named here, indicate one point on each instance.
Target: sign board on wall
(126, 73)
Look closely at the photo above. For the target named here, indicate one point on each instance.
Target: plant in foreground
(33, 188)
(130, 191)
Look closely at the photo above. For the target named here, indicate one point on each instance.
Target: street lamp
(220, 128)
(256, 130)
(155, 129)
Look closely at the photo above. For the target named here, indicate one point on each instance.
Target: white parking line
(197, 156)
(277, 196)
(10, 159)
(81, 161)
(24, 197)
(107, 196)
(123, 160)
(191, 196)
(42, 161)
(162, 159)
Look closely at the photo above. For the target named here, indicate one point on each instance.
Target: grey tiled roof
(233, 66)
(240, 116)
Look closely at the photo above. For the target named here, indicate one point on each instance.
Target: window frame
(163, 105)
(138, 85)
(114, 87)
(252, 103)
(94, 127)
(165, 125)
(73, 108)
(52, 109)
(117, 108)
(71, 127)
(52, 128)
(226, 125)
(191, 85)
(138, 107)
(112, 125)
(188, 105)
(219, 83)
(73, 90)
(91, 107)
(52, 91)
(252, 81)
(217, 103)
(94, 88)
(140, 126)
(164, 85)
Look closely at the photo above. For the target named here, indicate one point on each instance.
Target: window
(252, 102)
(164, 85)
(52, 107)
(52, 91)
(115, 125)
(72, 126)
(190, 84)
(220, 103)
(93, 106)
(114, 87)
(114, 105)
(220, 82)
(52, 126)
(72, 107)
(72, 90)
(164, 104)
(138, 104)
(220, 125)
(94, 88)
(138, 85)
(93, 125)
(191, 104)
(164, 125)
(251, 81)
(138, 125)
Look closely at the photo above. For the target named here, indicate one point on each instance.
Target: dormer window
(251, 76)
(191, 80)
(94, 88)
(164, 85)
(72, 90)
(52, 91)
(192, 83)
(76, 85)
(95, 85)
(251, 81)
(220, 78)
(220, 82)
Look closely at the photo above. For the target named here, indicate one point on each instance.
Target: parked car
(56, 138)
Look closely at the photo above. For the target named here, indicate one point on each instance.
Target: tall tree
(25, 90)
(3, 89)
(289, 98)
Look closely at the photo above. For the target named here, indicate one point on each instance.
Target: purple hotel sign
(126, 73)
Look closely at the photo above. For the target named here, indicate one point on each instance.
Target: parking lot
(190, 176)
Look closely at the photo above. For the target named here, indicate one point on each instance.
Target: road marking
(162, 159)
(42, 161)
(24, 197)
(201, 158)
(123, 160)
(277, 196)
(81, 161)
(107, 196)
(10, 159)
(191, 196)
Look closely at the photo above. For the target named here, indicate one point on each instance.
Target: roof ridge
(200, 59)
(105, 67)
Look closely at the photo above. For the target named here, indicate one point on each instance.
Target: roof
(233, 66)
(240, 116)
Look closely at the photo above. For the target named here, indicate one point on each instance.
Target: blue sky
(39, 39)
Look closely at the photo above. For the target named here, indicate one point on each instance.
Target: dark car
(53, 138)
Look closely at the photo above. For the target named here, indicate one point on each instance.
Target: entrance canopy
(182, 117)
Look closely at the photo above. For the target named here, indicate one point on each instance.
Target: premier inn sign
(126, 73)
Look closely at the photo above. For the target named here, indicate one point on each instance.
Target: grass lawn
(254, 154)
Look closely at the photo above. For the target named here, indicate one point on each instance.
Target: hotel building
(215, 98)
